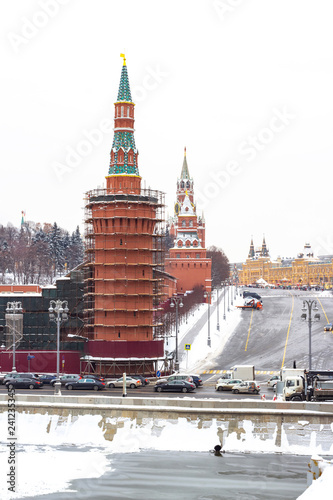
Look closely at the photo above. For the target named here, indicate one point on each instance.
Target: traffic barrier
(263, 397)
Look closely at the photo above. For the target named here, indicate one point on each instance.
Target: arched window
(191, 223)
(182, 185)
(184, 223)
(188, 185)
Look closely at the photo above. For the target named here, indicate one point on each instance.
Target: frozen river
(149, 475)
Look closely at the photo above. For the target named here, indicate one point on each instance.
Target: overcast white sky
(245, 85)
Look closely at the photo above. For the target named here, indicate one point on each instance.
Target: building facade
(187, 259)
(304, 270)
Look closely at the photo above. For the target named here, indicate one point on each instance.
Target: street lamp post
(307, 307)
(178, 302)
(58, 313)
(14, 308)
(208, 296)
(224, 317)
(217, 310)
(231, 293)
(228, 296)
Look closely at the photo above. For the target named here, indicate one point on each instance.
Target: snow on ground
(201, 356)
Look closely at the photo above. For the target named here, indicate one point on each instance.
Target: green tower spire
(124, 154)
(124, 92)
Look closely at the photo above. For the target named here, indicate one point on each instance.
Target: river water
(162, 475)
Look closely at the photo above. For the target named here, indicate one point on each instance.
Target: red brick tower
(123, 240)
(187, 259)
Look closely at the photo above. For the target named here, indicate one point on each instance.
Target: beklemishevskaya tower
(124, 229)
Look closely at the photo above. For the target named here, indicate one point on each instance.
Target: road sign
(158, 373)
(187, 347)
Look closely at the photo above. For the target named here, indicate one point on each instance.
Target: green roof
(124, 92)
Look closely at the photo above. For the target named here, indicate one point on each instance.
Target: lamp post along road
(178, 302)
(58, 313)
(217, 310)
(307, 307)
(228, 296)
(208, 295)
(13, 309)
(224, 317)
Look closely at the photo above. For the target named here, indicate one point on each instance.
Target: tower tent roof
(124, 92)
(185, 174)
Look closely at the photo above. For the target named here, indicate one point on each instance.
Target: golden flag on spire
(123, 56)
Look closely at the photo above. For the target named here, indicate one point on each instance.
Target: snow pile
(322, 487)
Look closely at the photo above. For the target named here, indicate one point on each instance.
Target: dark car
(175, 386)
(23, 383)
(65, 378)
(86, 383)
(95, 377)
(46, 378)
(254, 295)
(11, 376)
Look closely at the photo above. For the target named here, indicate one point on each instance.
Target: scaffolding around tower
(124, 233)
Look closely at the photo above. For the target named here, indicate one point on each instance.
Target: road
(270, 338)
(276, 335)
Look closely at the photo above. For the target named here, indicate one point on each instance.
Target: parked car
(180, 376)
(248, 293)
(227, 385)
(175, 386)
(86, 383)
(66, 378)
(11, 376)
(131, 382)
(46, 378)
(23, 383)
(96, 377)
(248, 386)
(328, 327)
(196, 379)
(144, 380)
(272, 381)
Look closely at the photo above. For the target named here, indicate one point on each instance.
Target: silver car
(249, 387)
(131, 382)
(227, 385)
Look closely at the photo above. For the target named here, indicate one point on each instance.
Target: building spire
(264, 249)
(124, 155)
(185, 172)
(124, 92)
(251, 251)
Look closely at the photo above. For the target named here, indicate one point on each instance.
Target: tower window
(118, 335)
(121, 242)
(184, 223)
(122, 111)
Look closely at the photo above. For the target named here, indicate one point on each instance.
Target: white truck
(313, 385)
(244, 372)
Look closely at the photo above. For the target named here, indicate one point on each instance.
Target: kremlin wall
(116, 296)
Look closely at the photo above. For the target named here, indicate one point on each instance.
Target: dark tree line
(220, 266)
(37, 255)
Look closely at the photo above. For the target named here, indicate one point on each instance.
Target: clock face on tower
(177, 208)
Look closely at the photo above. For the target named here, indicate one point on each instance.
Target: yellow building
(305, 269)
